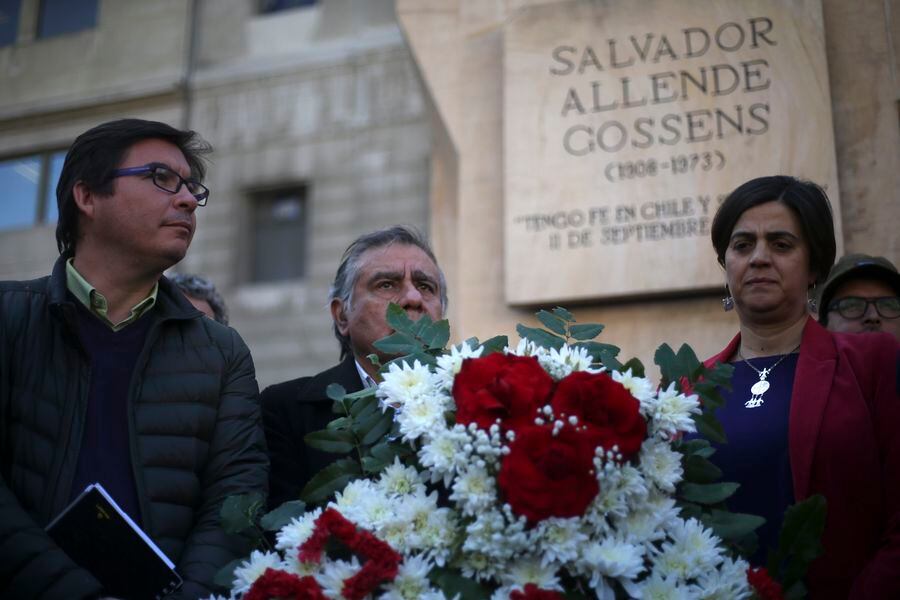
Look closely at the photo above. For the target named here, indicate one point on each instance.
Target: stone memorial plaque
(626, 123)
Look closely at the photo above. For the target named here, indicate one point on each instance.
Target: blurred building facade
(314, 111)
(322, 130)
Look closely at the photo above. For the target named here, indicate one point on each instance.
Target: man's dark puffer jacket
(195, 437)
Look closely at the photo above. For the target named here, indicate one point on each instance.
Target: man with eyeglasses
(108, 374)
(861, 294)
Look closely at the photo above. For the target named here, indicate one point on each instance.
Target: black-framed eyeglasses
(854, 307)
(168, 180)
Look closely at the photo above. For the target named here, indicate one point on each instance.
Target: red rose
(606, 407)
(279, 584)
(763, 584)
(509, 388)
(546, 475)
(533, 592)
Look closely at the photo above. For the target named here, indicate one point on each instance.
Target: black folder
(101, 538)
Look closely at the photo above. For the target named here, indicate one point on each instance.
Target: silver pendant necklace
(761, 387)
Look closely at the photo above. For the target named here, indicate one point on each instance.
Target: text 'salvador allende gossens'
(685, 79)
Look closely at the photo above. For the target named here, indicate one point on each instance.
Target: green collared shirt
(95, 302)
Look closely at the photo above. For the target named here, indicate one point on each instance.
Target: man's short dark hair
(98, 152)
(348, 271)
(202, 289)
(805, 199)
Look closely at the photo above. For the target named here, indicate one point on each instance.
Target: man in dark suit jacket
(389, 265)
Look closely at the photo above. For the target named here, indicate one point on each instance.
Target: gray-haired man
(389, 265)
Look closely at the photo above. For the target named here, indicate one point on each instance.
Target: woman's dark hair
(98, 152)
(807, 200)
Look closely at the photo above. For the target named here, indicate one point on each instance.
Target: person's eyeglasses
(168, 180)
(854, 307)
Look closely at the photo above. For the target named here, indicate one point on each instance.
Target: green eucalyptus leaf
(281, 516)
(563, 314)
(225, 576)
(732, 526)
(456, 585)
(338, 441)
(374, 360)
(379, 429)
(494, 344)
(665, 358)
(364, 407)
(339, 424)
(335, 391)
(689, 447)
(687, 361)
(540, 337)
(329, 480)
(597, 348)
(386, 451)
(690, 510)
(699, 470)
(636, 366)
(421, 325)
(799, 541)
(551, 322)
(707, 493)
(240, 512)
(710, 428)
(436, 335)
(372, 465)
(397, 318)
(424, 358)
(398, 343)
(586, 331)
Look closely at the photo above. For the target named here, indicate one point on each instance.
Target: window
(271, 6)
(29, 189)
(57, 17)
(279, 235)
(9, 21)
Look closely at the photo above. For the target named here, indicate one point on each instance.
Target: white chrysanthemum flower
(352, 494)
(252, 569)
(663, 587)
(448, 365)
(649, 522)
(693, 549)
(444, 454)
(560, 540)
(661, 465)
(560, 363)
(526, 347)
(724, 583)
(411, 582)
(422, 416)
(292, 564)
(474, 490)
(292, 535)
(333, 574)
(437, 535)
(530, 570)
(404, 384)
(480, 566)
(639, 387)
(400, 480)
(672, 413)
(614, 558)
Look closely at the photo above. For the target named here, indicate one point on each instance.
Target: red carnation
(498, 386)
(533, 592)
(279, 584)
(546, 475)
(606, 407)
(763, 584)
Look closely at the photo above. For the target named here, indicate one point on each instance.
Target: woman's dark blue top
(756, 455)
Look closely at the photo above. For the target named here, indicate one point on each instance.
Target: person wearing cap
(861, 294)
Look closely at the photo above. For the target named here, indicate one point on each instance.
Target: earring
(811, 300)
(727, 301)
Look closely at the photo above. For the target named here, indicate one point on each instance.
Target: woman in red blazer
(810, 412)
